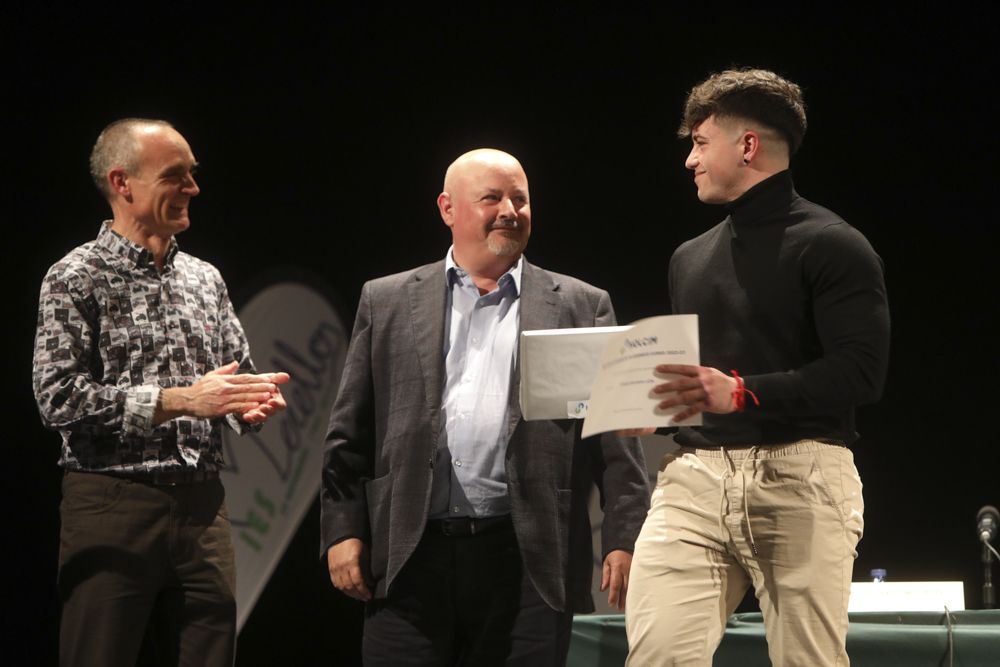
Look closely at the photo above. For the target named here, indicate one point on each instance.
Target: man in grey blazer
(464, 526)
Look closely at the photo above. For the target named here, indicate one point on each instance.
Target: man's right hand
(218, 393)
(348, 565)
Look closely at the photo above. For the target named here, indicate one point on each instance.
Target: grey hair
(117, 148)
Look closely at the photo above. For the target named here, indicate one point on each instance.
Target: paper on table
(622, 395)
(558, 367)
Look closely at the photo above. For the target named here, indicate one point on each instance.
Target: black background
(323, 137)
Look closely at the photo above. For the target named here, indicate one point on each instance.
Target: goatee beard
(503, 247)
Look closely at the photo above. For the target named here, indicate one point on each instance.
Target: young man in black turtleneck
(794, 328)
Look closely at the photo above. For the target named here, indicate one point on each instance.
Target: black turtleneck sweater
(793, 298)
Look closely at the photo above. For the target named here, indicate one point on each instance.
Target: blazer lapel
(541, 305)
(427, 289)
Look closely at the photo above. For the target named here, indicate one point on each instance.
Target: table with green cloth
(874, 639)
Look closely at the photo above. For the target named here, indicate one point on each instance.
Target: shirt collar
(454, 273)
(120, 246)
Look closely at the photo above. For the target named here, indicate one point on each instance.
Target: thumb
(228, 369)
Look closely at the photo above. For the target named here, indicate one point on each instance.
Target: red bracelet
(740, 394)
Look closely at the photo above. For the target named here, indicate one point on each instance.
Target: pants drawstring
(751, 457)
(722, 490)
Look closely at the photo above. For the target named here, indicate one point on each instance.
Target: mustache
(505, 223)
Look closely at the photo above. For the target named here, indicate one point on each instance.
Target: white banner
(272, 476)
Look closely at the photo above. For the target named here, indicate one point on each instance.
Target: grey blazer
(384, 425)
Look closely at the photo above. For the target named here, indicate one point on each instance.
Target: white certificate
(558, 367)
(622, 395)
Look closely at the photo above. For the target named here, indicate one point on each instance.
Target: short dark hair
(117, 146)
(757, 95)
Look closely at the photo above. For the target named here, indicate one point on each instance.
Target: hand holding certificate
(622, 395)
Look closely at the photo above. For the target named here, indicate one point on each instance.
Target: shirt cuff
(240, 426)
(140, 408)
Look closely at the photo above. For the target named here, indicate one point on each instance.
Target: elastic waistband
(762, 451)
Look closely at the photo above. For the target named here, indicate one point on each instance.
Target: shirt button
(455, 509)
(475, 340)
(458, 463)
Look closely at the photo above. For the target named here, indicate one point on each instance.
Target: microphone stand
(989, 596)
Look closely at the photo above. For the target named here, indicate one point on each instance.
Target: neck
(136, 233)
(485, 271)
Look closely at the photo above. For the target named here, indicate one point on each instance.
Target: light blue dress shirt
(480, 352)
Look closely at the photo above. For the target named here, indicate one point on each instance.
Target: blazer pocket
(378, 493)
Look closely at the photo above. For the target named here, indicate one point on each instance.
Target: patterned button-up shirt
(112, 331)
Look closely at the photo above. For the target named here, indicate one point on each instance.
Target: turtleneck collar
(770, 196)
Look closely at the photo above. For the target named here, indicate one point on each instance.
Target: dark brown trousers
(146, 573)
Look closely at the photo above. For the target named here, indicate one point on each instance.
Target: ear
(750, 144)
(118, 180)
(446, 209)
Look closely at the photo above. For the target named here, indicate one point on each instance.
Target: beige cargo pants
(785, 518)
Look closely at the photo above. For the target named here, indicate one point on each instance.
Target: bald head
(485, 203)
(459, 170)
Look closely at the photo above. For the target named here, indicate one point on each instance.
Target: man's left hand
(699, 389)
(614, 577)
(276, 403)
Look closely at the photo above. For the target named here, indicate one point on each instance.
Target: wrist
(173, 402)
(740, 392)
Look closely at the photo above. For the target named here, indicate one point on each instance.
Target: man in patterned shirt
(139, 361)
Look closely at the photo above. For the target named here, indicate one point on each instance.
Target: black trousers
(146, 573)
(465, 601)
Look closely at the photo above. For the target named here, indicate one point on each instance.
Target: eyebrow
(517, 192)
(178, 167)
